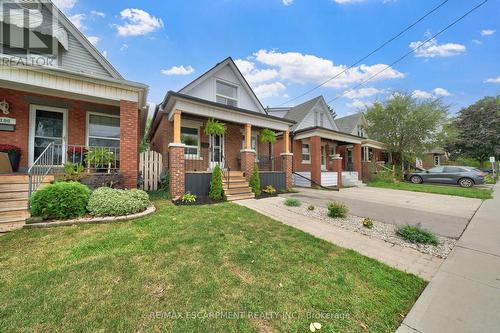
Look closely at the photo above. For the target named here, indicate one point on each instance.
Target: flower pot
(14, 158)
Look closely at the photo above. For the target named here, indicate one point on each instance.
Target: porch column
(248, 154)
(129, 143)
(356, 160)
(176, 160)
(287, 160)
(315, 142)
(337, 167)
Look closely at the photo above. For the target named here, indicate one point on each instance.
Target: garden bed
(85, 220)
(198, 201)
(380, 230)
(264, 195)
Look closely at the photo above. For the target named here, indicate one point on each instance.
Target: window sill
(306, 162)
(193, 158)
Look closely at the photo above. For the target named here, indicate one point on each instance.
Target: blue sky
(285, 47)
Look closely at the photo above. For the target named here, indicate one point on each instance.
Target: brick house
(178, 132)
(328, 151)
(61, 103)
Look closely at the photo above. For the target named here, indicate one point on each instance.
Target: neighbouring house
(221, 95)
(432, 158)
(62, 101)
(327, 151)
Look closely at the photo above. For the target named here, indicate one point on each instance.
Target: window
(454, 170)
(367, 154)
(189, 137)
(306, 154)
(226, 94)
(361, 131)
(103, 130)
(253, 143)
(332, 150)
(436, 170)
(437, 160)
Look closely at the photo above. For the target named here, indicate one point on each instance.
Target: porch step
(242, 196)
(237, 188)
(9, 196)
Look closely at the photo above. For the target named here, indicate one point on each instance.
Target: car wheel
(466, 182)
(416, 179)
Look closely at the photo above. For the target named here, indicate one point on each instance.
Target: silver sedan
(458, 175)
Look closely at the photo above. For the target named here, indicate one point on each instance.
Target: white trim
(197, 126)
(31, 135)
(329, 135)
(87, 126)
(302, 153)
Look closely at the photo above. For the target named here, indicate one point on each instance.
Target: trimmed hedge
(61, 200)
(106, 201)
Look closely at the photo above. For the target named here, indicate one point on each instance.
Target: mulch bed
(199, 201)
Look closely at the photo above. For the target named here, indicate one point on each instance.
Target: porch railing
(93, 159)
(270, 163)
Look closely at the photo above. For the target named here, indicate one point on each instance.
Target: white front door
(47, 125)
(216, 151)
(323, 158)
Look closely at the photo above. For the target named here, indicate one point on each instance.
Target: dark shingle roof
(348, 124)
(297, 113)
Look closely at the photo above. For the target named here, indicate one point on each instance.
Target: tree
(255, 181)
(477, 130)
(406, 125)
(216, 191)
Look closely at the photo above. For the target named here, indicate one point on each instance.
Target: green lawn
(472, 192)
(111, 278)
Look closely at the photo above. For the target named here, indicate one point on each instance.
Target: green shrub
(292, 202)
(165, 182)
(255, 181)
(188, 198)
(383, 176)
(61, 200)
(415, 234)
(336, 209)
(368, 223)
(269, 190)
(488, 179)
(216, 191)
(311, 207)
(106, 201)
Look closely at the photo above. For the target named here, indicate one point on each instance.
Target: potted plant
(76, 154)
(214, 127)
(267, 136)
(14, 153)
(99, 158)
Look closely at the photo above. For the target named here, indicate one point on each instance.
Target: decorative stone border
(87, 220)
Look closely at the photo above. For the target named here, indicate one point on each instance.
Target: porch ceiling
(198, 107)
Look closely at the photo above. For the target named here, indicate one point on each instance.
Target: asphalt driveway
(443, 214)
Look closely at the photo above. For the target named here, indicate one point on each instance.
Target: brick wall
(129, 143)
(177, 175)
(298, 166)
(315, 144)
(20, 109)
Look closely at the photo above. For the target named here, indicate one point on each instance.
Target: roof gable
(204, 86)
(305, 114)
(349, 124)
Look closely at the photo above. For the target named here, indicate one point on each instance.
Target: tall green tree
(406, 125)
(477, 129)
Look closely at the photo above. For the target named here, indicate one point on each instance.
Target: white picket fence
(150, 165)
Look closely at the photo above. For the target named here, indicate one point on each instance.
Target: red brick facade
(288, 168)
(315, 151)
(130, 137)
(177, 176)
(247, 163)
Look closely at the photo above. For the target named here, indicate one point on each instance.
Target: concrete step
(14, 179)
(12, 205)
(240, 196)
(235, 173)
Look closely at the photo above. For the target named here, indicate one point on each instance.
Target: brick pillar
(356, 160)
(176, 162)
(129, 143)
(315, 142)
(288, 169)
(247, 162)
(337, 167)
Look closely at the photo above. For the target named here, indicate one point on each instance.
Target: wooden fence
(150, 165)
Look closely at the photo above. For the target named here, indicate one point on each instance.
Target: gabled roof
(348, 124)
(68, 25)
(299, 112)
(226, 62)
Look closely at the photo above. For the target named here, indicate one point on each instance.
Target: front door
(216, 151)
(348, 160)
(47, 125)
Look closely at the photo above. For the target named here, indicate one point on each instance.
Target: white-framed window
(226, 93)
(253, 143)
(437, 160)
(332, 149)
(361, 131)
(306, 153)
(190, 137)
(103, 130)
(367, 154)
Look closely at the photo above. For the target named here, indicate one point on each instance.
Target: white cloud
(93, 39)
(64, 5)
(487, 32)
(287, 2)
(441, 92)
(422, 94)
(433, 49)
(304, 68)
(124, 47)
(96, 13)
(343, 2)
(493, 80)
(178, 70)
(362, 92)
(477, 42)
(77, 21)
(269, 89)
(359, 104)
(253, 75)
(138, 22)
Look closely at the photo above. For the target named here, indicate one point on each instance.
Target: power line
(369, 54)
(408, 53)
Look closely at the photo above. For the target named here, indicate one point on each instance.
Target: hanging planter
(214, 127)
(267, 136)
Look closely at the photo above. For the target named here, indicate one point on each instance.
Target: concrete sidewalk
(402, 258)
(464, 295)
